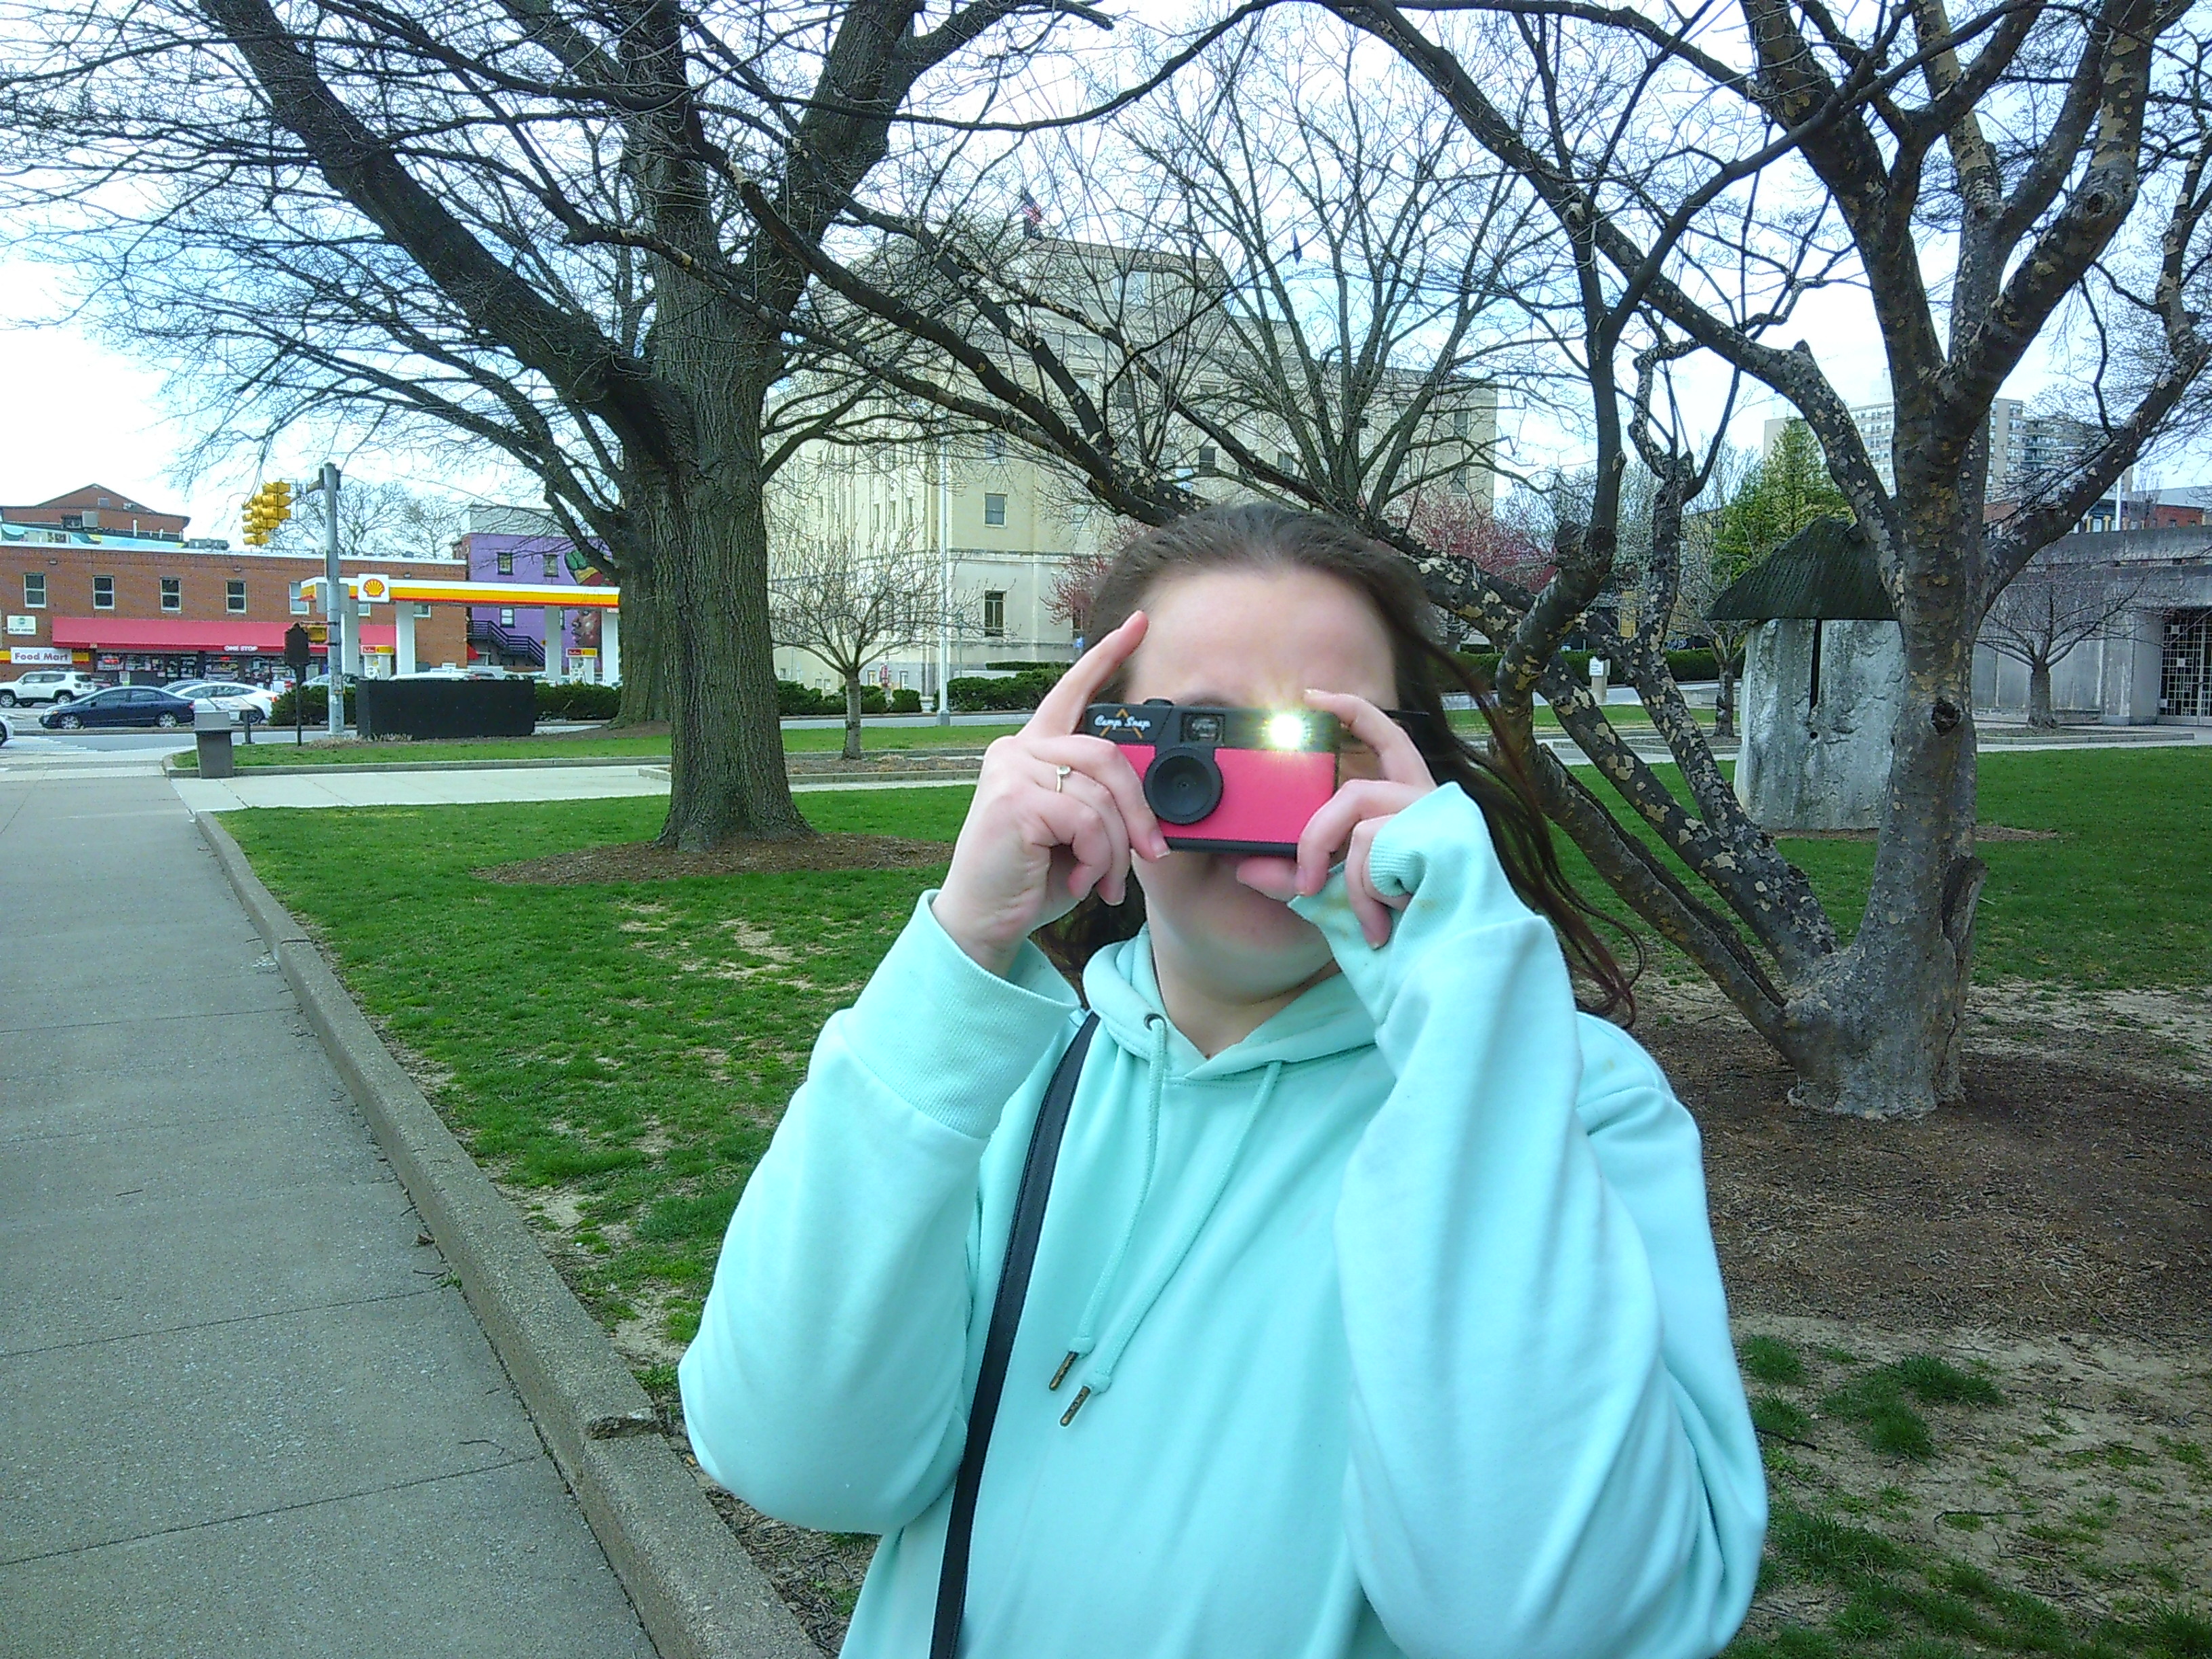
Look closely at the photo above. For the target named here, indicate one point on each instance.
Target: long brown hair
(1263, 537)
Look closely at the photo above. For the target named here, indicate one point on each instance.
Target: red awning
(175, 634)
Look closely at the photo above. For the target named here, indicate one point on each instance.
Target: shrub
(906, 700)
(972, 692)
(793, 698)
(574, 700)
(317, 708)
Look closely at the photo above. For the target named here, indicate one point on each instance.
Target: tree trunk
(852, 715)
(1874, 1031)
(1724, 703)
(2039, 717)
(645, 655)
(727, 771)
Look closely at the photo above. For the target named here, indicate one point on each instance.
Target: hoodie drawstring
(1100, 1377)
(1087, 1329)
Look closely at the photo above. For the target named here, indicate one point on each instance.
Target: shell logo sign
(372, 590)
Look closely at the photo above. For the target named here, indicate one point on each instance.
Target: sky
(82, 413)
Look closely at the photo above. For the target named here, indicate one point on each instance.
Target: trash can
(212, 731)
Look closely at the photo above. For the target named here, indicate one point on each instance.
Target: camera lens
(1183, 786)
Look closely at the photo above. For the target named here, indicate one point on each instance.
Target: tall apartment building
(1003, 520)
(2024, 448)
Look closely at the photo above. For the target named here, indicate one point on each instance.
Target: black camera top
(1159, 724)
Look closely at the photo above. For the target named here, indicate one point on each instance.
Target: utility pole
(944, 590)
(337, 607)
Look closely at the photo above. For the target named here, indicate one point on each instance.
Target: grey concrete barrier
(699, 1594)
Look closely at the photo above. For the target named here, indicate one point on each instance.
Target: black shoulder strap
(999, 1345)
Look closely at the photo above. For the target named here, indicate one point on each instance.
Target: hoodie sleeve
(1550, 1453)
(825, 1385)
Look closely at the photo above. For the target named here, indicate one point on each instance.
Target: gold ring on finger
(1060, 778)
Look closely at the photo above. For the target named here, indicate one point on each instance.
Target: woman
(1376, 1309)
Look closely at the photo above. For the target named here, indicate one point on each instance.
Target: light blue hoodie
(1400, 1317)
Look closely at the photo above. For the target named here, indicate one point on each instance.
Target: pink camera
(1226, 779)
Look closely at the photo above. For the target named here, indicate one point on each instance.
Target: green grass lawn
(642, 1039)
(616, 1056)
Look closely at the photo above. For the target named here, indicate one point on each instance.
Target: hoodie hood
(1120, 985)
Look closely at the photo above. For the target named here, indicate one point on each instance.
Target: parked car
(120, 705)
(6, 732)
(251, 703)
(54, 685)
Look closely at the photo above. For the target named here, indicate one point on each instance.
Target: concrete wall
(2078, 682)
(1824, 765)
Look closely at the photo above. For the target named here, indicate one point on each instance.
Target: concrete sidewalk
(366, 786)
(247, 1415)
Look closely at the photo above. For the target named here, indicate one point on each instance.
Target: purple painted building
(526, 548)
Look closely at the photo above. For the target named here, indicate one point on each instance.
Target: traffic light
(265, 508)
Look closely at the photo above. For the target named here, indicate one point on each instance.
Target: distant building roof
(1826, 570)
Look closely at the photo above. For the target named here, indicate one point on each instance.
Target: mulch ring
(643, 860)
(2066, 1192)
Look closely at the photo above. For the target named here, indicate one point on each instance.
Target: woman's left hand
(1348, 822)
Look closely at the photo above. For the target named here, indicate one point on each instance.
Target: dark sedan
(121, 705)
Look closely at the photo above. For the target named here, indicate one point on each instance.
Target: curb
(698, 1593)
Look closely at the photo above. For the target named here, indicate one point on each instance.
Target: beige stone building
(1001, 521)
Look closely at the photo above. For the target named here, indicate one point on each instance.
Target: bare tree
(377, 519)
(2044, 613)
(511, 155)
(2057, 158)
(848, 609)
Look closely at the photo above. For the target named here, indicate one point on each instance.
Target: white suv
(53, 686)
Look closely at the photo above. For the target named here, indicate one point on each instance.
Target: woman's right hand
(1057, 815)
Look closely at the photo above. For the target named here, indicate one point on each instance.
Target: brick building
(96, 507)
(146, 609)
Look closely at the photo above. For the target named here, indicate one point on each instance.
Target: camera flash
(1286, 730)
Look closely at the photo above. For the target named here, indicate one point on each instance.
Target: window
(994, 446)
(994, 510)
(298, 600)
(552, 566)
(1286, 463)
(994, 612)
(1207, 461)
(172, 593)
(34, 591)
(422, 610)
(103, 592)
(505, 563)
(1459, 423)
(506, 618)
(72, 520)
(1459, 481)
(235, 598)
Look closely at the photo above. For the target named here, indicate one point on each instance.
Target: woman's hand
(1057, 815)
(1348, 822)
